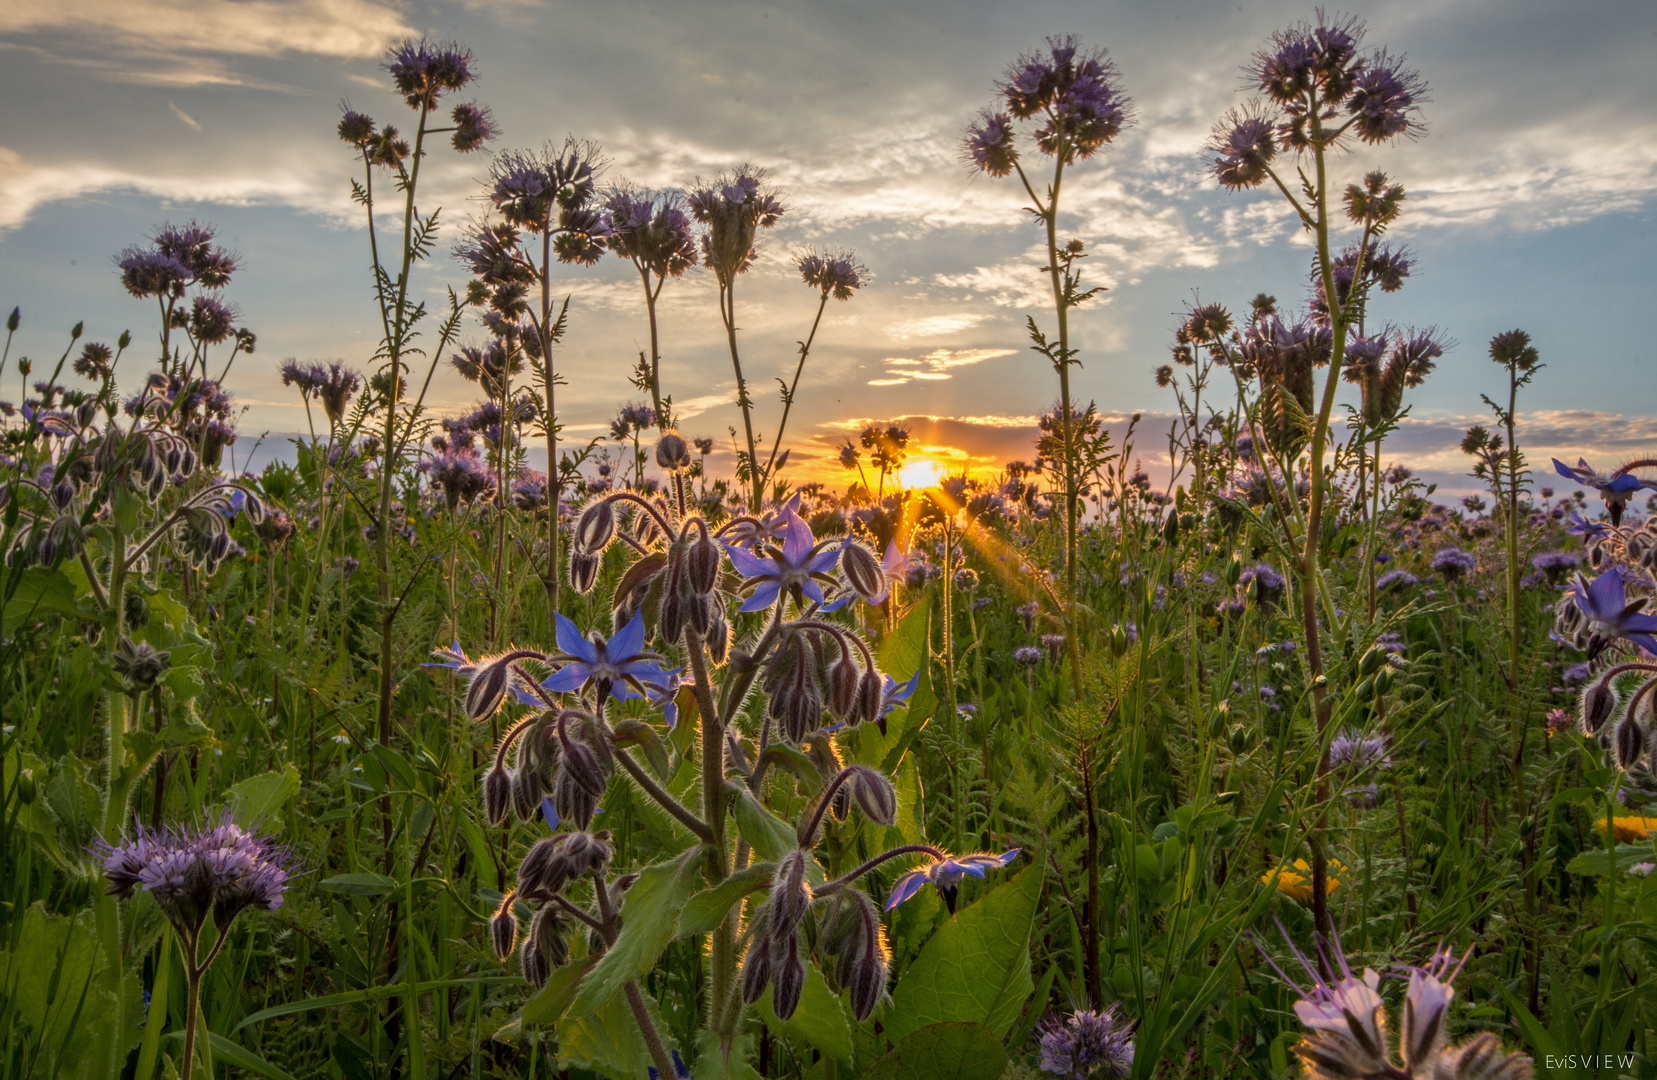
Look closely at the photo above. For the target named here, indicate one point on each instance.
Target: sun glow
(920, 474)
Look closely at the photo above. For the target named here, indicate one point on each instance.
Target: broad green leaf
(551, 1001)
(706, 910)
(49, 973)
(820, 1021)
(605, 1040)
(769, 835)
(397, 767)
(359, 884)
(976, 968)
(1598, 864)
(185, 681)
(74, 801)
(956, 1051)
(259, 799)
(649, 917)
(40, 592)
(717, 1062)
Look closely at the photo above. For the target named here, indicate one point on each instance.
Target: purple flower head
(215, 869)
(1343, 1019)
(150, 273)
(425, 70)
(1615, 488)
(460, 474)
(1352, 751)
(1452, 563)
(1243, 145)
(619, 667)
(1026, 656)
(734, 208)
(528, 186)
(529, 490)
(989, 144)
(1077, 94)
(1307, 56)
(208, 265)
(1087, 1045)
(211, 321)
(1396, 579)
(944, 872)
(1604, 603)
(1556, 564)
(1386, 98)
(355, 128)
(836, 272)
(791, 568)
(474, 125)
(652, 228)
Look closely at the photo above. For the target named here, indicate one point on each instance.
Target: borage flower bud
(583, 570)
(1630, 742)
(787, 976)
(863, 959)
(497, 795)
(1598, 702)
(487, 690)
(756, 967)
(525, 793)
(844, 680)
(718, 637)
(596, 527)
(863, 572)
(503, 928)
(874, 794)
(546, 935)
(671, 452)
(702, 560)
(533, 963)
(871, 697)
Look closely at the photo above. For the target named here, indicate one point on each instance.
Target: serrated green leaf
(769, 835)
(819, 1021)
(649, 917)
(957, 1051)
(605, 1040)
(258, 799)
(40, 592)
(551, 1001)
(707, 909)
(976, 968)
(1599, 864)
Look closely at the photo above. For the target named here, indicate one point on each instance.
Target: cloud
(184, 116)
(336, 28)
(934, 365)
(935, 325)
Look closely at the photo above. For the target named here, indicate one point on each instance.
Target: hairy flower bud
(874, 794)
(790, 896)
(1598, 702)
(596, 527)
(718, 637)
(497, 795)
(862, 966)
(139, 663)
(702, 560)
(871, 695)
(671, 452)
(1630, 742)
(845, 680)
(583, 571)
(756, 968)
(503, 928)
(796, 699)
(546, 935)
(525, 792)
(533, 963)
(863, 572)
(487, 690)
(787, 976)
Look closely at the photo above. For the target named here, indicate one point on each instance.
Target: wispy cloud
(935, 365)
(338, 28)
(184, 116)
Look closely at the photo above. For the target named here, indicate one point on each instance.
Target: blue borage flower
(1615, 488)
(1604, 603)
(1588, 530)
(944, 873)
(795, 567)
(619, 667)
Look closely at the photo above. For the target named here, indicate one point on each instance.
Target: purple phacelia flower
(1385, 99)
(1076, 92)
(1243, 145)
(215, 869)
(989, 144)
(651, 228)
(1452, 563)
(734, 207)
(1087, 1045)
(835, 273)
(1357, 753)
(474, 125)
(425, 70)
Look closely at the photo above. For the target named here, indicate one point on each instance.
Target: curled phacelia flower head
(1244, 144)
(836, 273)
(989, 144)
(216, 869)
(1075, 92)
(425, 70)
(1087, 1045)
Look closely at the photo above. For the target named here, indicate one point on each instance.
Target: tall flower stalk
(652, 230)
(1074, 100)
(1321, 95)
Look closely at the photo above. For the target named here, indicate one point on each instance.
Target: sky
(1530, 199)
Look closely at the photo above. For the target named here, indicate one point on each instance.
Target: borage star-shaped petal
(792, 568)
(619, 667)
(1611, 615)
(945, 873)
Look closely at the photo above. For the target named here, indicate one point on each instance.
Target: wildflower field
(401, 758)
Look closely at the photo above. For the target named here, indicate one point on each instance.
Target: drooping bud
(702, 560)
(1598, 702)
(533, 963)
(756, 968)
(503, 928)
(718, 637)
(487, 690)
(863, 572)
(871, 695)
(671, 452)
(874, 795)
(1630, 742)
(790, 896)
(526, 792)
(497, 795)
(845, 679)
(583, 571)
(862, 967)
(796, 699)
(546, 934)
(671, 612)
(596, 527)
(787, 976)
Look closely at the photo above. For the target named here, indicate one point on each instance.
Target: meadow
(404, 759)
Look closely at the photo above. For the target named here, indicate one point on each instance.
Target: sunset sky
(1531, 197)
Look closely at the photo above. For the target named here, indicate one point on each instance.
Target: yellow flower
(1297, 882)
(1628, 830)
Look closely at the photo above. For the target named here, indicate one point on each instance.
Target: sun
(920, 474)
